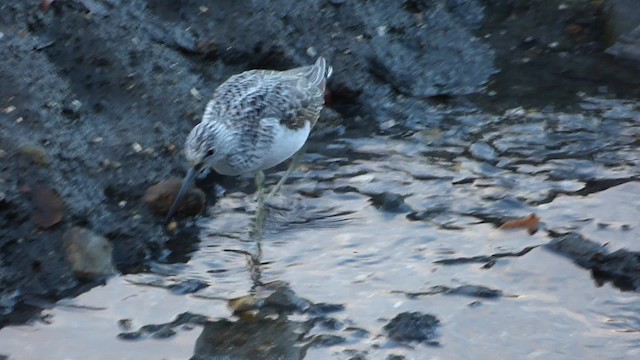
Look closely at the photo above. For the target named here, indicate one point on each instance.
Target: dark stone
(285, 299)
(390, 202)
(133, 335)
(188, 286)
(465, 290)
(327, 340)
(395, 357)
(485, 258)
(414, 326)
(252, 338)
(475, 291)
(323, 309)
(621, 267)
(627, 46)
(164, 333)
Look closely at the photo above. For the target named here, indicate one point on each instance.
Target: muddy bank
(104, 96)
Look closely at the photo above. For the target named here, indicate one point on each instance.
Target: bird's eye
(210, 152)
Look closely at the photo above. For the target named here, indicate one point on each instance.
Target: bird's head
(200, 151)
(200, 147)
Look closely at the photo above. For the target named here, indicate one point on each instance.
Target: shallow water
(363, 224)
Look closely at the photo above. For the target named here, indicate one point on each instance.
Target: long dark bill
(189, 179)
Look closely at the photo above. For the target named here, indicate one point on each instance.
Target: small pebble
(9, 109)
(96, 140)
(88, 252)
(125, 324)
(35, 154)
(195, 93)
(136, 147)
(76, 105)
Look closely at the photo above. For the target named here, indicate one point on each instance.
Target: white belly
(286, 143)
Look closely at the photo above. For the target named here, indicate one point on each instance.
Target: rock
(327, 340)
(243, 303)
(286, 300)
(627, 46)
(88, 252)
(160, 196)
(395, 357)
(321, 309)
(482, 151)
(475, 291)
(188, 286)
(253, 338)
(465, 290)
(621, 16)
(412, 326)
(49, 208)
(622, 267)
(71, 109)
(405, 62)
(390, 202)
(35, 154)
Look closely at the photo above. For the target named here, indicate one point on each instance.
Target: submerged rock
(622, 267)
(390, 202)
(252, 338)
(412, 326)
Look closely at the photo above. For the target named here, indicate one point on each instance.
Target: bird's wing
(293, 96)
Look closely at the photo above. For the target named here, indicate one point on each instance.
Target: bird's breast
(286, 142)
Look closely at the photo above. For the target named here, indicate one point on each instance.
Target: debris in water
(530, 223)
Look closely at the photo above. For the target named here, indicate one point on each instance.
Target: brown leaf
(530, 223)
(48, 207)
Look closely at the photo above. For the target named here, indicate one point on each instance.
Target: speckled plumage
(258, 118)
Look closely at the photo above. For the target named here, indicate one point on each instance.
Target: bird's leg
(255, 261)
(294, 163)
(260, 210)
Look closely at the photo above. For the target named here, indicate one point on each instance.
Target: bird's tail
(319, 73)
